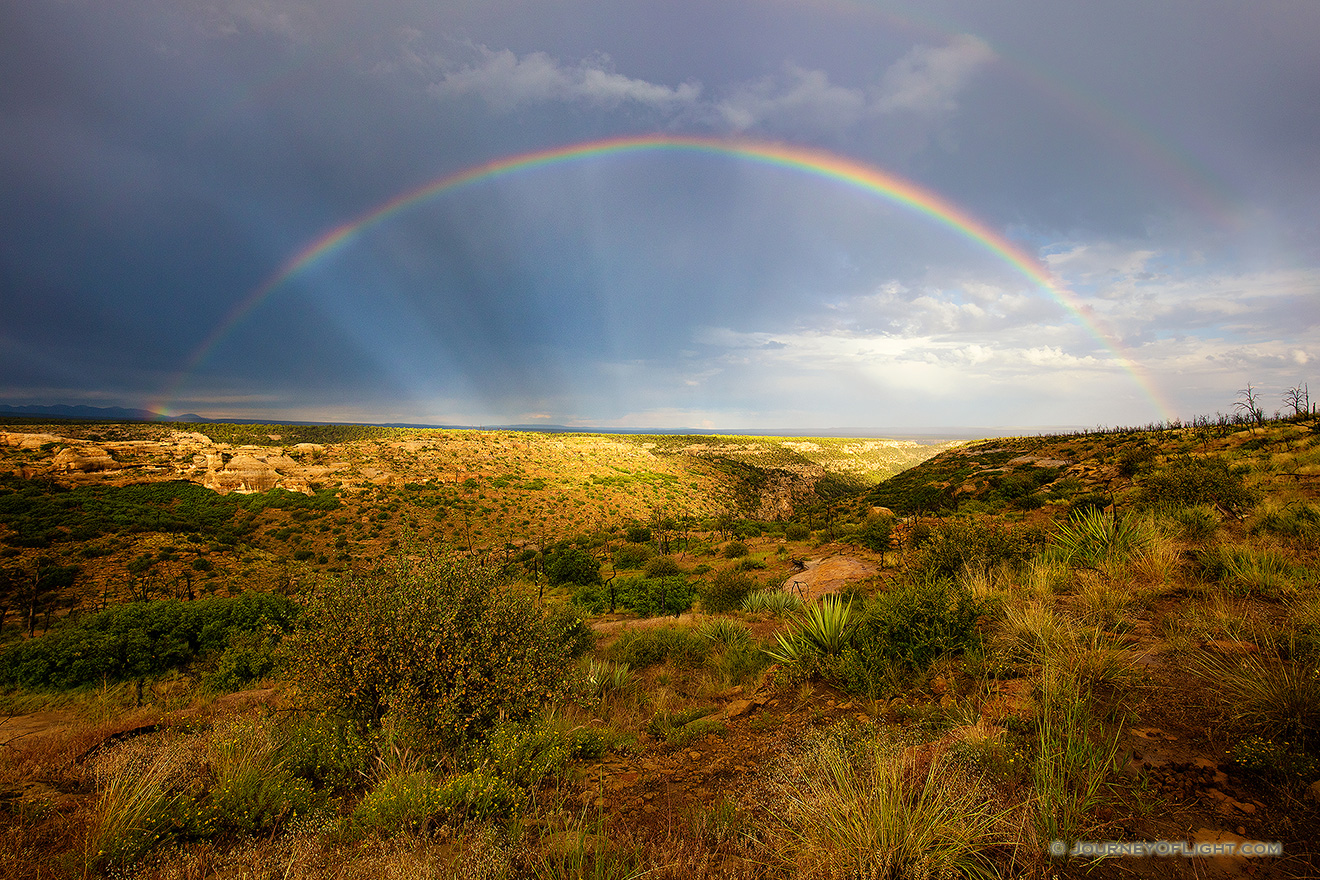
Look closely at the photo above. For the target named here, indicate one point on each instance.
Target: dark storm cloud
(159, 161)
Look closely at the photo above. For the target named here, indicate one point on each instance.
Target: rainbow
(805, 160)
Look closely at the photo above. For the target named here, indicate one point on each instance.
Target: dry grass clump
(874, 809)
(1043, 578)
(1034, 632)
(141, 799)
(1267, 693)
(1100, 602)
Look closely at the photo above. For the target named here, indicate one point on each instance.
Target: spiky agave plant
(821, 629)
(1095, 535)
(773, 601)
(723, 631)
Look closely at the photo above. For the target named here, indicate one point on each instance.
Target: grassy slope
(491, 491)
(1121, 658)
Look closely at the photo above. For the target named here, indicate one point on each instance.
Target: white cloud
(283, 18)
(925, 81)
(928, 80)
(799, 97)
(506, 81)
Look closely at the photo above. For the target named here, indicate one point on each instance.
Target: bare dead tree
(1299, 398)
(1248, 404)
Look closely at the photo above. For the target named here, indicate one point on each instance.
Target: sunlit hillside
(446, 654)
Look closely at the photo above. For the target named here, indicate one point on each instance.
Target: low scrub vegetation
(980, 684)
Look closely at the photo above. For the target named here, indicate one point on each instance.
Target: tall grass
(136, 809)
(1267, 694)
(884, 814)
(1074, 758)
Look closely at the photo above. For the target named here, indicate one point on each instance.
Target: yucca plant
(723, 631)
(776, 602)
(821, 629)
(1093, 536)
(605, 677)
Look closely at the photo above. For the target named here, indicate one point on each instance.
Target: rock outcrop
(83, 460)
(242, 473)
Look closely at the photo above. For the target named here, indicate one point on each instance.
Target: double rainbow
(817, 163)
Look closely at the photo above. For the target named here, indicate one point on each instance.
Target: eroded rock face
(242, 473)
(83, 460)
(29, 441)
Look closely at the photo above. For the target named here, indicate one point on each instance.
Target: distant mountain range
(122, 414)
(97, 413)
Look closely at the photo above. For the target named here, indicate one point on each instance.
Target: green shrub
(441, 642)
(662, 566)
(797, 532)
(632, 556)
(727, 591)
(748, 529)
(573, 566)
(652, 597)
(523, 753)
(249, 657)
(875, 534)
(1187, 481)
(974, 544)
(734, 549)
(647, 647)
(913, 625)
(647, 596)
(638, 534)
(146, 639)
(1134, 461)
(326, 751)
(567, 628)
(409, 802)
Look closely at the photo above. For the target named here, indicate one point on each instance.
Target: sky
(738, 214)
